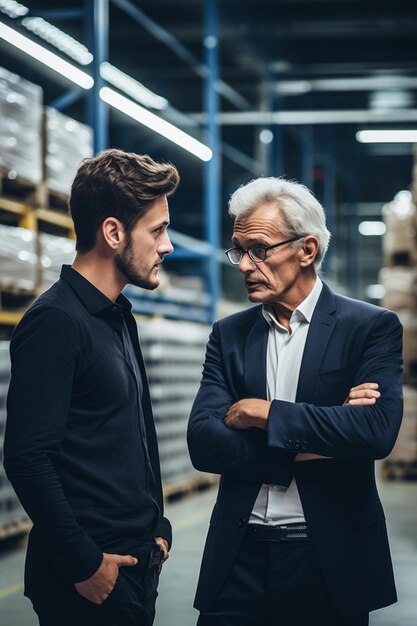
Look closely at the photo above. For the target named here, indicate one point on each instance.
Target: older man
(297, 535)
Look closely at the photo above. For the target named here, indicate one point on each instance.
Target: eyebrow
(160, 224)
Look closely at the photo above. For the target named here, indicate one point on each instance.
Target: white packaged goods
(67, 143)
(400, 241)
(400, 284)
(405, 448)
(20, 255)
(174, 354)
(20, 128)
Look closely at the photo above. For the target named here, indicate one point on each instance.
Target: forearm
(37, 486)
(358, 432)
(217, 449)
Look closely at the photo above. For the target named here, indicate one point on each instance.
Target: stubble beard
(125, 264)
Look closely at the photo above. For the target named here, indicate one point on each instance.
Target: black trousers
(275, 584)
(131, 603)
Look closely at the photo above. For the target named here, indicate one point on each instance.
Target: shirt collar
(304, 311)
(92, 298)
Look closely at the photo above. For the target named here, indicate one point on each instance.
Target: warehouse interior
(320, 91)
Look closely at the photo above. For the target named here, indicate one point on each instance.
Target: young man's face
(146, 246)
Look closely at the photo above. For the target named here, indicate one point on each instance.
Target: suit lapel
(319, 333)
(254, 360)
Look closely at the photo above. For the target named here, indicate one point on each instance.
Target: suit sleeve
(44, 357)
(218, 449)
(356, 432)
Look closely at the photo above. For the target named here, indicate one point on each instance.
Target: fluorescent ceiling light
(155, 123)
(51, 60)
(59, 39)
(132, 87)
(372, 228)
(387, 136)
(375, 292)
(13, 9)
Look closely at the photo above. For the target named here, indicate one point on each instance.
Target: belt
(287, 532)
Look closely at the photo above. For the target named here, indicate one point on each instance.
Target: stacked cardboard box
(399, 278)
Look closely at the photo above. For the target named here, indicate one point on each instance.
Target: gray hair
(301, 213)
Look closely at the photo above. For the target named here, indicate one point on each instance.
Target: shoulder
(364, 314)
(52, 314)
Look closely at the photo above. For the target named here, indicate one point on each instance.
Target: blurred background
(321, 91)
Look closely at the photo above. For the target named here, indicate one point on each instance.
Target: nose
(246, 264)
(166, 246)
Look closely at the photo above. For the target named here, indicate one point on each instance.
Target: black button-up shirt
(80, 444)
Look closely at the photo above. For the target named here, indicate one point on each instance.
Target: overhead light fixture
(132, 87)
(50, 59)
(155, 123)
(13, 9)
(266, 136)
(59, 39)
(387, 136)
(372, 228)
(375, 292)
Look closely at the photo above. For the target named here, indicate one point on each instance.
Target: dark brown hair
(116, 184)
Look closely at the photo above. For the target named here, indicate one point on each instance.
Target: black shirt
(80, 443)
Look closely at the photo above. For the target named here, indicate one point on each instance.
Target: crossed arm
(253, 412)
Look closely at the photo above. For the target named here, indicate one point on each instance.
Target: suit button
(297, 444)
(241, 522)
(288, 443)
(304, 445)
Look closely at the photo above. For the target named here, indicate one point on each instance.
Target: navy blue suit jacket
(348, 343)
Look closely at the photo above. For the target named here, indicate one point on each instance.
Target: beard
(125, 263)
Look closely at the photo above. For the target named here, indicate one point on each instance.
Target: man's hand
(165, 547)
(248, 413)
(100, 585)
(363, 395)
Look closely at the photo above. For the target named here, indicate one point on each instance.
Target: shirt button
(241, 522)
(114, 309)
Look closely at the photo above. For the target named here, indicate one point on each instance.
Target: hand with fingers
(364, 394)
(100, 585)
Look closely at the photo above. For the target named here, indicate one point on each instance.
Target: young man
(297, 535)
(80, 444)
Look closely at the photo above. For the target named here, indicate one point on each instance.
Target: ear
(113, 232)
(308, 250)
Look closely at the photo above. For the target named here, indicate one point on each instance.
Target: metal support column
(329, 194)
(212, 167)
(307, 156)
(97, 17)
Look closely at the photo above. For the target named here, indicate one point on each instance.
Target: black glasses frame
(250, 253)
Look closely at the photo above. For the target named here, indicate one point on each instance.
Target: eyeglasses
(256, 253)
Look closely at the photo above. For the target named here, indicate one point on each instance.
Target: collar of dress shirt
(92, 298)
(304, 311)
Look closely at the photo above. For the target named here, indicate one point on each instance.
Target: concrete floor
(190, 518)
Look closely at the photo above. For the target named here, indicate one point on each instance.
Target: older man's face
(279, 278)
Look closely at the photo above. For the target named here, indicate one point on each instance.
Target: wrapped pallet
(400, 285)
(66, 143)
(20, 128)
(402, 462)
(408, 319)
(400, 241)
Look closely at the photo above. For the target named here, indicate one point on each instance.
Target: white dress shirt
(277, 505)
